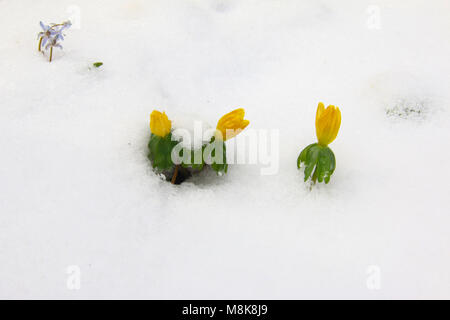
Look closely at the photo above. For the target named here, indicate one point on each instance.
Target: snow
(77, 188)
(191, 130)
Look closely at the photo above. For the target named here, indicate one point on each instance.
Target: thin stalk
(313, 179)
(175, 174)
(314, 176)
(51, 54)
(40, 42)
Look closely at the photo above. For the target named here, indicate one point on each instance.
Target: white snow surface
(191, 130)
(77, 189)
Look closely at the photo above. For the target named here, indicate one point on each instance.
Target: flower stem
(51, 54)
(175, 174)
(40, 42)
(314, 176)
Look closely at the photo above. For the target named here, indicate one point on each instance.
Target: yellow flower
(328, 122)
(160, 125)
(231, 124)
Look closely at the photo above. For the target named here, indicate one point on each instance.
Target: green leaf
(97, 64)
(312, 157)
(160, 151)
(323, 164)
(331, 163)
(219, 168)
(319, 161)
(302, 157)
(194, 156)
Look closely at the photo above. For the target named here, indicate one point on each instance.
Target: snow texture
(77, 188)
(191, 130)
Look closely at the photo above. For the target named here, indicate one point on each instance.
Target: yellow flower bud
(328, 122)
(231, 124)
(160, 125)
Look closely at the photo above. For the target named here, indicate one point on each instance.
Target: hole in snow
(182, 175)
(409, 109)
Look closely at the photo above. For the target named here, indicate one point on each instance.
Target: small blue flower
(44, 27)
(51, 34)
(66, 25)
(53, 42)
(62, 26)
(46, 34)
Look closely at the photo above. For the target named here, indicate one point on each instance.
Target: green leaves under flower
(221, 166)
(194, 158)
(161, 155)
(318, 161)
(160, 151)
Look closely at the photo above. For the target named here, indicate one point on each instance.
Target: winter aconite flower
(160, 125)
(173, 155)
(317, 158)
(50, 36)
(328, 122)
(231, 124)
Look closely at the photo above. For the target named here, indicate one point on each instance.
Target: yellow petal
(328, 122)
(320, 109)
(160, 125)
(231, 124)
(336, 125)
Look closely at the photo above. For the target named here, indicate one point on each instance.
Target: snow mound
(79, 198)
(191, 130)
